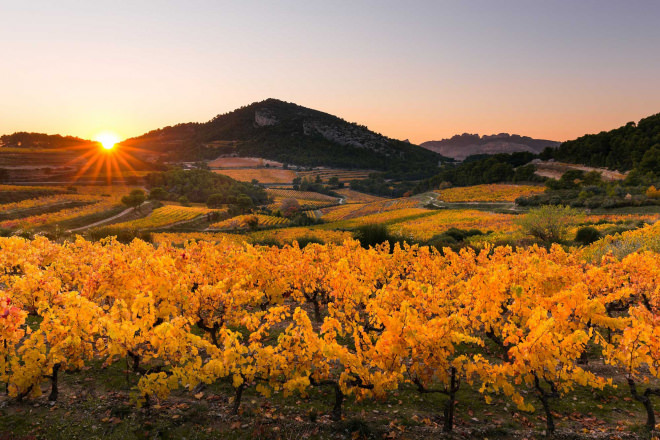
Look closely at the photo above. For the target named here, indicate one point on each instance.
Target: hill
(463, 145)
(287, 133)
(632, 146)
(41, 140)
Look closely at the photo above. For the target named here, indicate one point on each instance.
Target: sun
(107, 140)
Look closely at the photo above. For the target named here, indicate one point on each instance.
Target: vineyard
(166, 216)
(306, 199)
(289, 235)
(17, 193)
(41, 220)
(488, 193)
(385, 217)
(44, 202)
(527, 333)
(347, 212)
(242, 162)
(263, 175)
(352, 196)
(244, 222)
(179, 238)
(425, 227)
(342, 175)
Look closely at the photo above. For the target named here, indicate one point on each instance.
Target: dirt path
(554, 170)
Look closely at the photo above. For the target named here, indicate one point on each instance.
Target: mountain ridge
(461, 146)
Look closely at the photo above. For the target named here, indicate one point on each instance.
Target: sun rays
(108, 159)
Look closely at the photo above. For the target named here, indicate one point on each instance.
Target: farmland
(263, 175)
(272, 274)
(488, 193)
(426, 227)
(342, 175)
(306, 199)
(272, 175)
(250, 220)
(243, 162)
(166, 216)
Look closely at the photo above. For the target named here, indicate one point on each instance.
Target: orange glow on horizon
(107, 160)
(107, 140)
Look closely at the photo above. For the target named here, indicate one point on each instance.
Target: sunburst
(108, 158)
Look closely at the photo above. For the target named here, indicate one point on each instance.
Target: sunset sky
(421, 70)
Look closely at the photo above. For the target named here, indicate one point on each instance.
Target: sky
(417, 70)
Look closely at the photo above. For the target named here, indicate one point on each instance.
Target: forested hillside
(624, 148)
(291, 134)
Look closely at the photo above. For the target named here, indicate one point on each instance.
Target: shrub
(122, 235)
(308, 239)
(452, 238)
(587, 235)
(373, 234)
(267, 241)
(549, 223)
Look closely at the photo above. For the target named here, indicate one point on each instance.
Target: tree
(651, 161)
(244, 202)
(215, 201)
(550, 223)
(652, 192)
(158, 193)
(289, 207)
(134, 199)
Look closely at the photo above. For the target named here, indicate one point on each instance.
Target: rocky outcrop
(264, 118)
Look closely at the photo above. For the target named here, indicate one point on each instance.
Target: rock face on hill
(461, 146)
(288, 133)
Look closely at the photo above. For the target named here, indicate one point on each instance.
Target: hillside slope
(287, 133)
(461, 146)
(624, 148)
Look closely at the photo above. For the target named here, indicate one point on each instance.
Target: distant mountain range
(463, 145)
(287, 133)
